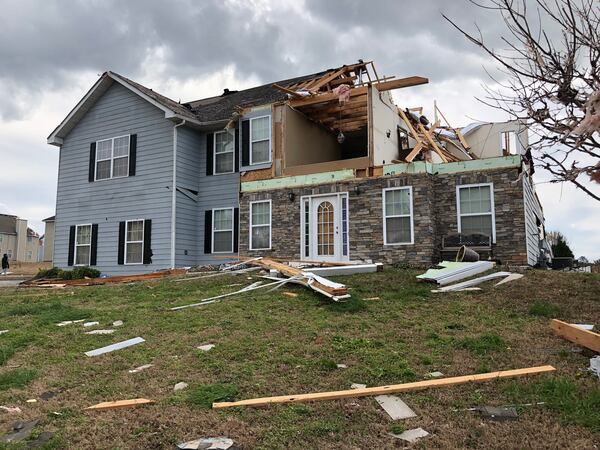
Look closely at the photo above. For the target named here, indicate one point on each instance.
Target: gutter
(174, 193)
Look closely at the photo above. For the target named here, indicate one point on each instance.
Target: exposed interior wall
(485, 141)
(305, 142)
(385, 123)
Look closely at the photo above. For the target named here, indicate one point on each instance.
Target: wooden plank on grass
(573, 333)
(391, 389)
(120, 404)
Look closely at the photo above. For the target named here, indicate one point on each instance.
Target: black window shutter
(121, 251)
(132, 154)
(208, 231)
(236, 229)
(71, 245)
(148, 241)
(92, 172)
(236, 141)
(94, 248)
(209, 153)
(245, 142)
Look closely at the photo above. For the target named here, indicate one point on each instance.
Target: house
(17, 240)
(48, 252)
(319, 167)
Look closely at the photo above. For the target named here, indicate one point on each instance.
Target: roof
(32, 233)
(8, 224)
(49, 219)
(223, 106)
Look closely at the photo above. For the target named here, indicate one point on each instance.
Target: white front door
(325, 227)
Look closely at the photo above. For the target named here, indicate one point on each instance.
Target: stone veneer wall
(434, 215)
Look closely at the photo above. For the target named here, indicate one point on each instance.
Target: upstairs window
(223, 152)
(508, 141)
(476, 209)
(112, 158)
(134, 242)
(397, 213)
(83, 245)
(260, 140)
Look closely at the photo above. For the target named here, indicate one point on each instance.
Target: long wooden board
(573, 333)
(391, 389)
(120, 404)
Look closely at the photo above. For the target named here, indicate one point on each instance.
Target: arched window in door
(325, 231)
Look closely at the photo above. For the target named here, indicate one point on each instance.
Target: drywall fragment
(140, 368)
(411, 435)
(435, 374)
(584, 326)
(511, 277)
(497, 414)
(357, 386)
(117, 346)
(69, 322)
(218, 443)
(595, 366)
(100, 332)
(117, 323)
(120, 404)
(20, 431)
(11, 409)
(341, 366)
(206, 348)
(395, 407)
(91, 324)
(180, 386)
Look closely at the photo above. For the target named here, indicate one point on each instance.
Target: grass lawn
(272, 344)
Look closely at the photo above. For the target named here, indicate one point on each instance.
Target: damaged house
(323, 167)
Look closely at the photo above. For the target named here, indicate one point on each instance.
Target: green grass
(483, 345)
(17, 378)
(544, 309)
(205, 396)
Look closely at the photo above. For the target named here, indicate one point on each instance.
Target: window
(222, 230)
(29, 255)
(260, 140)
(476, 209)
(508, 141)
(9, 253)
(397, 216)
(134, 242)
(260, 225)
(83, 245)
(224, 152)
(112, 158)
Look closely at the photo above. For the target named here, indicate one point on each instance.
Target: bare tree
(553, 84)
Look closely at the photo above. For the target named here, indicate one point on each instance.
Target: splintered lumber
(401, 83)
(390, 389)
(573, 333)
(119, 404)
(94, 281)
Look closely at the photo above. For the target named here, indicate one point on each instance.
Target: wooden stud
(415, 151)
(400, 83)
(391, 389)
(324, 98)
(119, 404)
(286, 90)
(429, 139)
(573, 333)
(345, 80)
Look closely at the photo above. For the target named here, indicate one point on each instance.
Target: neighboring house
(17, 240)
(146, 183)
(48, 252)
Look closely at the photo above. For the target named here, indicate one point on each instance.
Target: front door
(325, 225)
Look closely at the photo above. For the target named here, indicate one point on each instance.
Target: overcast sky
(51, 52)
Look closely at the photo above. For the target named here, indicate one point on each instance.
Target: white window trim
(262, 225)
(112, 159)
(492, 212)
(127, 222)
(221, 153)
(82, 245)
(252, 119)
(212, 239)
(385, 217)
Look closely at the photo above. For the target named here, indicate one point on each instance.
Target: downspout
(174, 193)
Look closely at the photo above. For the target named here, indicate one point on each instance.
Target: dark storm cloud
(44, 44)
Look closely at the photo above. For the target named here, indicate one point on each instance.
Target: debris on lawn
(498, 414)
(117, 346)
(47, 395)
(290, 294)
(584, 326)
(345, 270)
(20, 431)
(454, 271)
(341, 366)
(595, 366)
(117, 323)
(69, 322)
(411, 435)
(395, 407)
(372, 298)
(217, 443)
(573, 333)
(140, 368)
(100, 332)
(120, 404)
(3, 331)
(180, 386)
(51, 282)
(390, 389)
(357, 386)
(511, 277)
(11, 409)
(435, 374)
(31, 400)
(91, 324)
(470, 283)
(206, 347)
(43, 438)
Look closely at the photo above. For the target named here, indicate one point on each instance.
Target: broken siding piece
(117, 346)
(390, 389)
(395, 407)
(120, 404)
(573, 333)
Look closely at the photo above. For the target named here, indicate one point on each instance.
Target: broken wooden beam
(576, 334)
(390, 389)
(119, 404)
(401, 83)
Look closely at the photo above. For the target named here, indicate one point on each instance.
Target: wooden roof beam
(401, 83)
(325, 98)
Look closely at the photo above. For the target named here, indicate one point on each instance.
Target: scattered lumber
(120, 404)
(43, 282)
(390, 389)
(576, 334)
(117, 346)
(346, 270)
